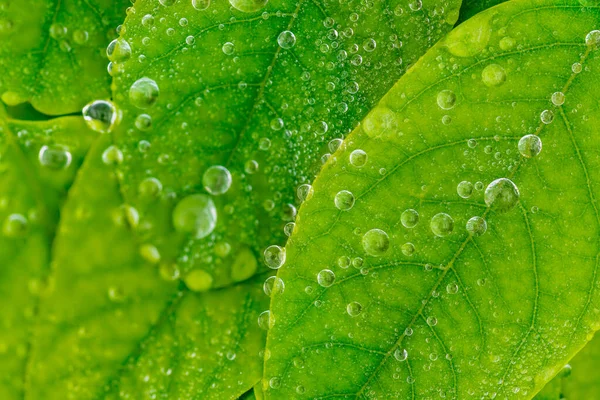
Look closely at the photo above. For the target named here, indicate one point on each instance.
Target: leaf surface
(376, 304)
(53, 51)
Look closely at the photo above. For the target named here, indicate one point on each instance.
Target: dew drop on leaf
(592, 39)
(195, 214)
(409, 218)
(446, 99)
(273, 285)
(54, 157)
(408, 249)
(354, 308)
(326, 277)
(465, 189)
(227, 48)
(112, 156)
(118, 50)
(216, 180)
(143, 93)
(143, 122)
(358, 158)
(201, 5)
(286, 40)
(442, 224)
(198, 280)
(530, 146)
(15, 225)
(401, 354)
(344, 200)
(493, 75)
(547, 116)
(248, 5)
(274, 256)
(149, 187)
(558, 98)
(476, 226)
(150, 253)
(100, 116)
(501, 195)
(376, 242)
(304, 192)
(266, 320)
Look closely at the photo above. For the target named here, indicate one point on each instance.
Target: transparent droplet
(112, 156)
(274, 256)
(343, 262)
(354, 308)
(248, 5)
(493, 75)
(558, 98)
(408, 249)
(464, 189)
(344, 200)
(326, 277)
(118, 50)
(576, 68)
(400, 354)
(200, 4)
(55, 157)
(251, 167)
(198, 280)
(442, 224)
(195, 214)
(501, 195)
(376, 242)
(228, 48)
(216, 180)
(15, 225)
(273, 285)
(286, 39)
(100, 115)
(265, 320)
(143, 122)
(476, 226)
(150, 253)
(452, 288)
(547, 116)
(305, 192)
(446, 99)
(167, 2)
(592, 39)
(432, 321)
(149, 187)
(143, 93)
(415, 5)
(530, 146)
(288, 229)
(369, 45)
(358, 158)
(409, 218)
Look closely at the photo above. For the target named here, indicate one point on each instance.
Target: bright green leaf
(261, 94)
(376, 305)
(584, 381)
(52, 52)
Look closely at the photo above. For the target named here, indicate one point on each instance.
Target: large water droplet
(326, 278)
(274, 256)
(530, 146)
(493, 75)
(465, 189)
(409, 218)
(286, 39)
(100, 115)
(118, 50)
(442, 224)
(376, 242)
(547, 116)
(501, 195)
(446, 99)
(216, 180)
(592, 39)
(344, 200)
(143, 93)
(273, 285)
(358, 158)
(354, 308)
(196, 215)
(400, 354)
(476, 226)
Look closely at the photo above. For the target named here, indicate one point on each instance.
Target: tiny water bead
(326, 277)
(216, 180)
(100, 115)
(354, 308)
(15, 225)
(286, 40)
(195, 214)
(344, 200)
(248, 5)
(400, 354)
(547, 116)
(530, 146)
(442, 224)
(432, 321)
(273, 285)
(228, 48)
(266, 320)
(592, 39)
(493, 75)
(143, 93)
(112, 156)
(198, 280)
(55, 157)
(465, 189)
(501, 195)
(274, 256)
(376, 242)
(408, 249)
(143, 122)
(476, 226)
(118, 50)
(446, 99)
(200, 5)
(409, 218)
(358, 158)
(558, 98)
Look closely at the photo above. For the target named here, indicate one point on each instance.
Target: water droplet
(501, 195)
(409, 218)
(276, 124)
(118, 50)
(376, 242)
(248, 5)
(408, 249)
(446, 99)
(167, 3)
(530, 146)
(273, 285)
(558, 98)
(143, 122)
(432, 321)
(58, 31)
(300, 389)
(150, 188)
(274, 256)
(15, 225)
(143, 93)
(305, 192)
(265, 320)
(150, 253)
(55, 157)
(286, 40)
(274, 382)
(112, 156)
(169, 271)
(442, 225)
(100, 116)
(344, 200)
(507, 43)
(201, 5)
(592, 39)
(251, 167)
(228, 48)
(465, 189)
(493, 75)
(198, 280)
(452, 288)
(216, 180)
(370, 45)
(288, 229)
(354, 308)
(476, 226)
(196, 215)
(576, 68)
(547, 116)
(326, 277)
(400, 354)
(358, 158)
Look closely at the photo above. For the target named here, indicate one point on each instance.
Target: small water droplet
(344, 200)
(400, 354)
(326, 277)
(358, 158)
(409, 218)
(273, 285)
(195, 214)
(266, 320)
(446, 99)
(476, 226)
(118, 50)
(493, 75)
(274, 256)
(100, 115)
(530, 146)
(216, 180)
(501, 195)
(286, 40)
(143, 93)
(464, 189)
(558, 98)
(547, 116)
(354, 308)
(408, 249)
(376, 242)
(54, 157)
(442, 224)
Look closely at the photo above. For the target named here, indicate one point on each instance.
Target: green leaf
(38, 162)
(52, 52)
(220, 90)
(584, 382)
(373, 308)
